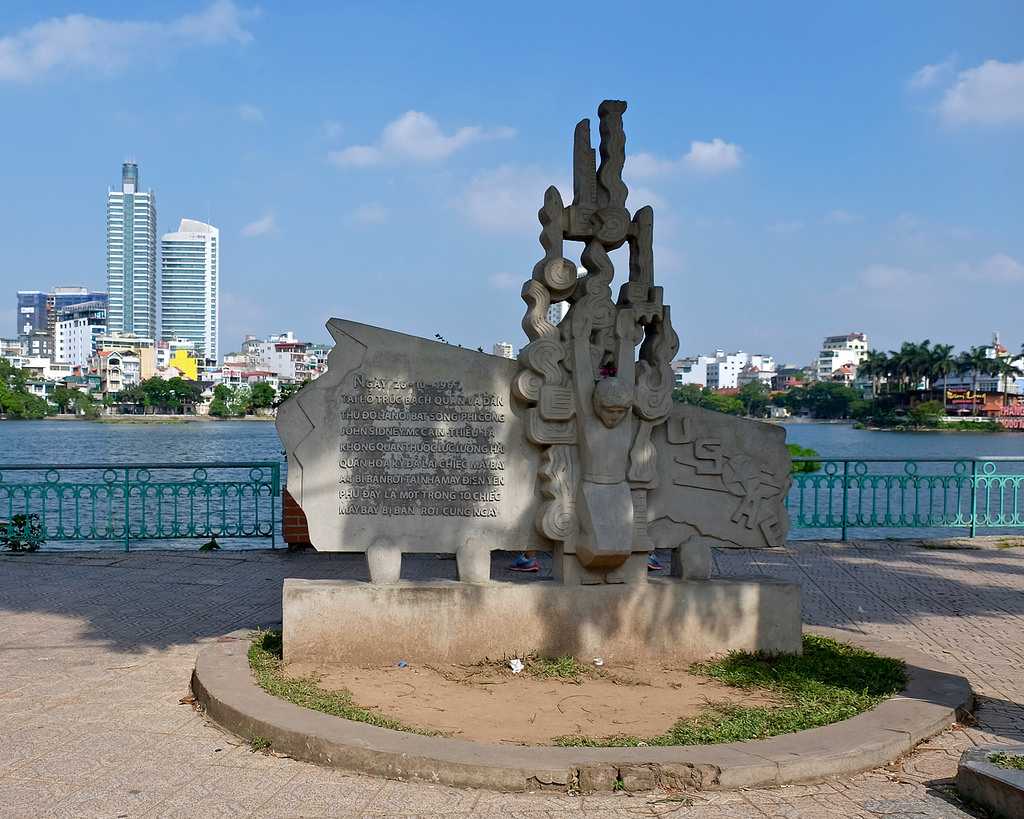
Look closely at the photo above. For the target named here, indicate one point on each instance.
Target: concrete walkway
(96, 651)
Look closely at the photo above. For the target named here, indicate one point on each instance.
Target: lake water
(843, 441)
(77, 442)
(70, 442)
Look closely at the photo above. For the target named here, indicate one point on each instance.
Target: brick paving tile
(97, 649)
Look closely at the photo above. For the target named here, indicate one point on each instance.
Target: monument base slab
(665, 620)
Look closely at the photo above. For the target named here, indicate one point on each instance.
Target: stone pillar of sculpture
(592, 402)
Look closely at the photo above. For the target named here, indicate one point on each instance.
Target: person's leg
(526, 562)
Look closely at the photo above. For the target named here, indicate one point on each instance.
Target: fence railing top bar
(966, 458)
(178, 465)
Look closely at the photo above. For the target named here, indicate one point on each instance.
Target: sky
(815, 168)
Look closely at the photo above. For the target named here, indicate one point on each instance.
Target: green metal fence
(126, 503)
(963, 494)
(134, 503)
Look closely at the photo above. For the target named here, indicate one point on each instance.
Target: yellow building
(185, 363)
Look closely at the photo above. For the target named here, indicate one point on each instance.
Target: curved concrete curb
(223, 684)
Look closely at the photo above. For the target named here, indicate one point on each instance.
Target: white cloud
(506, 198)
(639, 196)
(78, 41)
(930, 75)
(889, 277)
(507, 281)
(645, 164)
(261, 227)
(996, 269)
(841, 217)
(359, 156)
(786, 228)
(989, 94)
(370, 213)
(714, 157)
(250, 113)
(417, 137)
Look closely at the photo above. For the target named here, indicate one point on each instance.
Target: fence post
(974, 497)
(275, 493)
(846, 470)
(127, 517)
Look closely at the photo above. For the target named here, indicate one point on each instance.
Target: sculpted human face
(611, 416)
(612, 402)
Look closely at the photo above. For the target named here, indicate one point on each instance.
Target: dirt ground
(488, 703)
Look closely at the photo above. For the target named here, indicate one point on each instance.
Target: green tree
(15, 399)
(288, 390)
(689, 394)
(219, 408)
(927, 413)
(262, 395)
(876, 367)
(156, 395)
(241, 401)
(822, 399)
(1006, 369)
(183, 394)
(717, 402)
(911, 364)
(941, 364)
(63, 398)
(754, 398)
(975, 362)
(797, 451)
(133, 396)
(85, 405)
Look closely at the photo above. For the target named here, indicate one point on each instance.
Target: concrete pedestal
(666, 620)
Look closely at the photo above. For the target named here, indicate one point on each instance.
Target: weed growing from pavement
(1005, 760)
(257, 744)
(828, 683)
(565, 668)
(265, 662)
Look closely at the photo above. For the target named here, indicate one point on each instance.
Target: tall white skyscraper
(131, 256)
(190, 285)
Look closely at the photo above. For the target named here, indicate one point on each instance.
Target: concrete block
(1000, 791)
(663, 619)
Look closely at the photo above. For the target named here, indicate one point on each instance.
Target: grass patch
(563, 668)
(1005, 760)
(265, 662)
(830, 682)
(258, 744)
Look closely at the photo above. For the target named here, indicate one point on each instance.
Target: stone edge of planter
(1000, 791)
(222, 684)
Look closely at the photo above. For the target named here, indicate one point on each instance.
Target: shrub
(927, 413)
(797, 451)
(24, 533)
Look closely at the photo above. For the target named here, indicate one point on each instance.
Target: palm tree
(874, 366)
(899, 363)
(1006, 369)
(941, 364)
(910, 363)
(975, 361)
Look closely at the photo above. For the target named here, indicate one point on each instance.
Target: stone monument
(407, 445)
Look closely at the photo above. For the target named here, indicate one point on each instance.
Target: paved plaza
(96, 652)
